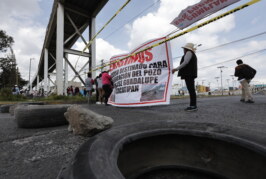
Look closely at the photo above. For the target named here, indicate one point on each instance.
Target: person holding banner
(107, 86)
(188, 70)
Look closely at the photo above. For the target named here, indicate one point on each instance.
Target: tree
(5, 41)
(9, 73)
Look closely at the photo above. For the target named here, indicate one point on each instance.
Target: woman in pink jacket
(107, 85)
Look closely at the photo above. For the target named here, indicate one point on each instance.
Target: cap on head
(239, 62)
(190, 46)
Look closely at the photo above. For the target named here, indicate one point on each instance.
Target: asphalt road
(40, 153)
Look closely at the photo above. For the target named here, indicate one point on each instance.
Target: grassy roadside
(55, 99)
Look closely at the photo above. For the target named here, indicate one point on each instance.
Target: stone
(86, 122)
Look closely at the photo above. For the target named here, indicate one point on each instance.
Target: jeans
(107, 92)
(190, 82)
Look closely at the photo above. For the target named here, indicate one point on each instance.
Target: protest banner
(200, 10)
(143, 79)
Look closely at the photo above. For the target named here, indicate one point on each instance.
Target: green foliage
(6, 95)
(9, 74)
(5, 41)
(54, 97)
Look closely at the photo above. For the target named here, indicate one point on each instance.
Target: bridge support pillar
(92, 48)
(59, 49)
(38, 83)
(45, 87)
(66, 75)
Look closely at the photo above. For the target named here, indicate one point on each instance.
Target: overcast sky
(26, 22)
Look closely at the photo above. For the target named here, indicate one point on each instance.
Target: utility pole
(221, 70)
(14, 62)
(102, 65)
(233, 79)
(228, 83)
(29, 75)
(217, 79)
(17, 76)
(202, 82)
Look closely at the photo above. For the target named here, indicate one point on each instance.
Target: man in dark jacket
(188, 70)
(245, 74)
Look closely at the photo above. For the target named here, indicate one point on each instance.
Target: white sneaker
(98, 102)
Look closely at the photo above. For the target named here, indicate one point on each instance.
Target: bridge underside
(68, 20)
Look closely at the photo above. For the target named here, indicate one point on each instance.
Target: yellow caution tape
(186, 31)
(89, 44)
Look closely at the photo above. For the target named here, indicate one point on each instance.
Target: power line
(105, 25)
(253, 53)
(116, 30)
(246, 38)
(120, 27)
(239, 40)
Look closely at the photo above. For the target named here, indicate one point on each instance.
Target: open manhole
(170, 150)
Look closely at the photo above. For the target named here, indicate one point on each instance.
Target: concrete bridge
(68, 20)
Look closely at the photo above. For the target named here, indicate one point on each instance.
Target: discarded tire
(168, 149)
(14, 106)
(36, 116)
(5, 108)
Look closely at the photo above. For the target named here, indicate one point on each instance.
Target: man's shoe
(191, 108)
(249, 101)
(242, 100)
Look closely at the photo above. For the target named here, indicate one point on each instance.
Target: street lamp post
(228, 83)
(102, 60)
(233, 83)
(29, 75)
(202, 82)
(233, 79)
(221, 70)
(217, 78)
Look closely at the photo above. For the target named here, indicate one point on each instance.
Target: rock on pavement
(86, 122)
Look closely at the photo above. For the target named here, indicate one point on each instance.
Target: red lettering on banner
(200, 11)
(222, 1)
(141, 57)
(217, 3)
(206, 8)
(149, 55)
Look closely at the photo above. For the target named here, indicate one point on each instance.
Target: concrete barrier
(37, 116)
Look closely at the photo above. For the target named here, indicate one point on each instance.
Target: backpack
(249, 72)
(14, 90)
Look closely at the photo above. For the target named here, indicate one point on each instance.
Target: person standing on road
(89, 85)
(100, 89)
(188, 70)
(245, 73)
(96, 89)
(107, 86)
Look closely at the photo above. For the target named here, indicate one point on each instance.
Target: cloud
(104, 50)
(17, 20)
(19, 9)
(157, 24)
